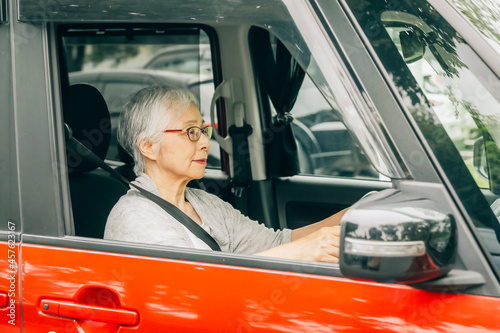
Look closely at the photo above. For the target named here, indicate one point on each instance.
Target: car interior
(258, 183)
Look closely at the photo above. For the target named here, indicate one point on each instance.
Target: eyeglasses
(194, 133)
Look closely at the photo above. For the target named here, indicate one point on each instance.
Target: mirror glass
(412, 45)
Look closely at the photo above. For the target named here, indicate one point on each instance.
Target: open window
(101, 66)
(119, 60)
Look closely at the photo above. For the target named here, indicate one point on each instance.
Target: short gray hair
(147, 114)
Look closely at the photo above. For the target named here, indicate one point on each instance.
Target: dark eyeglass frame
(207, 131)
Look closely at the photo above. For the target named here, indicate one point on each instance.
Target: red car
(419, 254)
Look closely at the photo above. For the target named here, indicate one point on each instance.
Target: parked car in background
(183, 59)
(116, 86)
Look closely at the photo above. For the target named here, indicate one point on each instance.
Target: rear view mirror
(412, 45)
(486, 161)
(393, 236)
(479, 160)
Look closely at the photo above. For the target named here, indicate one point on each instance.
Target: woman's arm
(316, 242)
(320, 245)
(308, 229)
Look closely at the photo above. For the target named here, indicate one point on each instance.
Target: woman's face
(180, 157)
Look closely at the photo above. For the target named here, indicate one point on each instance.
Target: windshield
(452, 96)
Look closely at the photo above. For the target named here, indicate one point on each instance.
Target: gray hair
(147, 114)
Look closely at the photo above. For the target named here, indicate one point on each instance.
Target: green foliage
(484, 14)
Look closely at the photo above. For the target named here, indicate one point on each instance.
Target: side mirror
(412, 45)
(393, 236)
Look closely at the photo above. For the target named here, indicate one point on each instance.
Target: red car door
(75, 290)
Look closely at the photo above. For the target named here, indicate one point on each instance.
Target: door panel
(303, 200)
(186, 296)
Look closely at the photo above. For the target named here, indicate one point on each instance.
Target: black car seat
(127, 169)
(93, 191)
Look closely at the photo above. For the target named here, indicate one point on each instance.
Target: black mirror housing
(412, 45)
(393, 236)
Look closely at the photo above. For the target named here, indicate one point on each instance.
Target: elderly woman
(163, 130)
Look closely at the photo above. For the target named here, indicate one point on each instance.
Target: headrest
(86, 113)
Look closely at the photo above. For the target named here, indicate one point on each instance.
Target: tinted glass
(324, 144)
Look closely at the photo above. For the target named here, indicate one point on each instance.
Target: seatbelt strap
(175, 212)
(242, 173)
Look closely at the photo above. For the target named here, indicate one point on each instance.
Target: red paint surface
(182, 296)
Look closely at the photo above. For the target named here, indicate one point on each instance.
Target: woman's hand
(320, 245)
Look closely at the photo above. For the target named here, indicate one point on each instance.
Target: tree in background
(484, 14)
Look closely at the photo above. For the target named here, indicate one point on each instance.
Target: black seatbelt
(175, 212)
(242, 173)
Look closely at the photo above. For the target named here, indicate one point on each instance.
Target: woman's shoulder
(132, 200)
(135, 215)
(133, 208)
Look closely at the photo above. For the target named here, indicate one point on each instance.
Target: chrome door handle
(89, 312)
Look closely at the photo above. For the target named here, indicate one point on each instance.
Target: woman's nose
(204, 142)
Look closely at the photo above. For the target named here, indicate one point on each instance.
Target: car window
(116, 92)
(118, 66)
(451, 94)
(325, 146)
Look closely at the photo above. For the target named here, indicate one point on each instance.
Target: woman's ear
(147, 149)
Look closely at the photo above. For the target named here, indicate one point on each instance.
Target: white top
(135, 218)
(198, 243)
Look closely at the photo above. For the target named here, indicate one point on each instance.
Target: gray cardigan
(135, 218)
